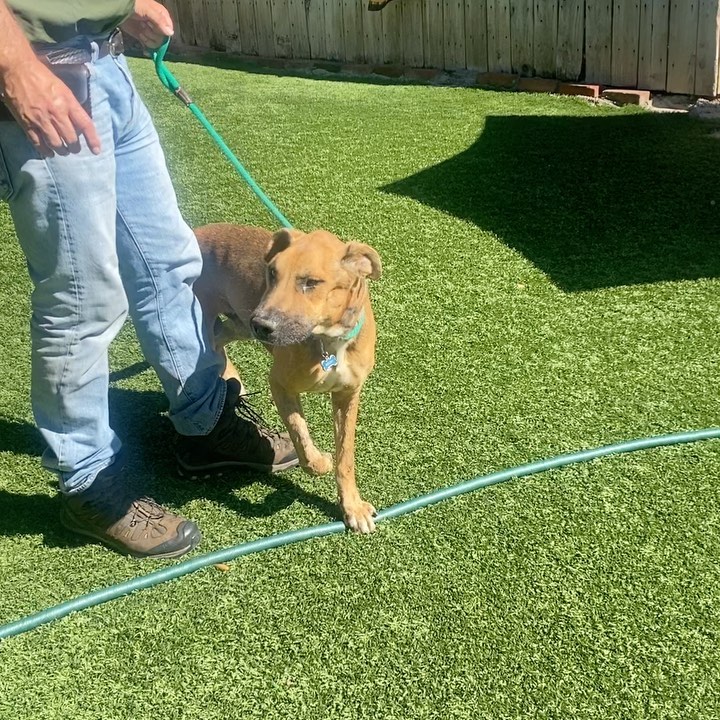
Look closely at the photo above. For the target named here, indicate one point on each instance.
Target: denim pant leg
(94, 228)
(159, 260)
(64, 214)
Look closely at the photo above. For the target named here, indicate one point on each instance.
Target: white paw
(359, 517)
(321, 465)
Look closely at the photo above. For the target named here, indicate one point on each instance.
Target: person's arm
(42, 104)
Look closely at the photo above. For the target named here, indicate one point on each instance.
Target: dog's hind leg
(224, 331)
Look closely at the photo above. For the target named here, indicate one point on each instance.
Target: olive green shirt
(52, 21)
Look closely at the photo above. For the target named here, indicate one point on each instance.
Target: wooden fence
(666, 45)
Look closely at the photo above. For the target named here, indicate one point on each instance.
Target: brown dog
(305, 297)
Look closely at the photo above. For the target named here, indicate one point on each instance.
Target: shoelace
(247, 412)
(146, 510)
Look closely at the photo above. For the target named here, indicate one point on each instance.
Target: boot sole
(67, 522)
(217, 469)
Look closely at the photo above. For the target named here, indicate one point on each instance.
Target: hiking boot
(138, 526)
(240, 439)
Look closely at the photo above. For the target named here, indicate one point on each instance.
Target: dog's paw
(359, 517)
(321, 465)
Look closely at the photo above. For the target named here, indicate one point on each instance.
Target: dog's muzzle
(262, 329)
(275, 329)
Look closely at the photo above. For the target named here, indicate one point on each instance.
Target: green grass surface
(551, 283)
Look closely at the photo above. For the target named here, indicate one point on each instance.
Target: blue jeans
(103, 235)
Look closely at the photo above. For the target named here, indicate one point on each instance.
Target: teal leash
(169, 81)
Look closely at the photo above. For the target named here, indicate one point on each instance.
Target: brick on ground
(623, 96)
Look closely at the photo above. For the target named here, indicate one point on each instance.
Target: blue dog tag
(328, 362)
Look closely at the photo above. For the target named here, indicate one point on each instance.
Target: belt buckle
(116, 44)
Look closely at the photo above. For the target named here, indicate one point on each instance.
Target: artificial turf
(551, 281)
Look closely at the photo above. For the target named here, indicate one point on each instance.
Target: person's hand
(150, 23)
(47, 110)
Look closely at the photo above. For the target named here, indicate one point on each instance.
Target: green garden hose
(287, 538)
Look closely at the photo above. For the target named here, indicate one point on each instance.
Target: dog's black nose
(262, 328)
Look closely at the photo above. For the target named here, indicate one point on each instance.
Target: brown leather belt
(114, 46)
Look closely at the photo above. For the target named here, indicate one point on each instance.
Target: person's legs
(64, 214)
(94, 228)
(159, 261)
(64, 210)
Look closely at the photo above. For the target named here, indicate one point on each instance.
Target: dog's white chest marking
(336, 371)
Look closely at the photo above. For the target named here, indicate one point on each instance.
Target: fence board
(626, 34)
(432, 34)
(682, 47)
(598, 41)
(353, 30)
(297, 20)
(571, 28)
(476, 34)
(184, 24)
(248, 27)
(498, 36)
(545, 37)
(334, 36)
(372, 29)
(200, 22)
(392, 29)
(707, 48)
(316, 27)
(217, 31)
(230, 26)
(413, 24)
(280, 15)
(652, 55)
(521, 36)
(454, 33)
(265, 29)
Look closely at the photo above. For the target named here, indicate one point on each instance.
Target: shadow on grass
(20, 438)
(149, 440)
(593, 202)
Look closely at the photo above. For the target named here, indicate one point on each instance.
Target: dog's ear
(362, 260)
(280, 241)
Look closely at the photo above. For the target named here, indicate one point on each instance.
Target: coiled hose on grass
(273, 541)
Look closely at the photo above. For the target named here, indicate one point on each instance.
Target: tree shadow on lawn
(593, 202)
(149, 441)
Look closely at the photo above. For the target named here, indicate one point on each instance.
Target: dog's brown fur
(299, 294)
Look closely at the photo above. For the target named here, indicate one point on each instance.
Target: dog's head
(315, 285)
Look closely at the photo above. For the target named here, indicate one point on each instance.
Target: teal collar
(350, 335)
(329, 361)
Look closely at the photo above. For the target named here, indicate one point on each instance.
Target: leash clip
(181, 95)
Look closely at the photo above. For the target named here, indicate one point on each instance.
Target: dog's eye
(271, 275)
(308, 284)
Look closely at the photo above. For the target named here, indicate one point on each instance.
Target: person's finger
(67, 132)
(160, 18)
(50, 136)
(152, 37)
(38, 143)
(84, 126)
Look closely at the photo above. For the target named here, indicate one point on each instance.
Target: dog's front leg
(357, 513)
(311, 459)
